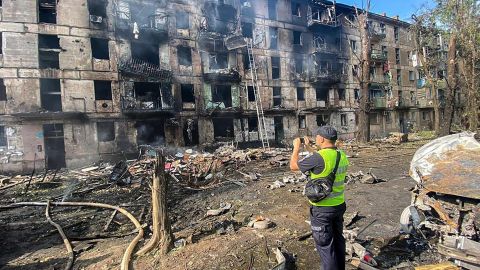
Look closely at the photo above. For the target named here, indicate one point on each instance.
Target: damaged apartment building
(87, 80)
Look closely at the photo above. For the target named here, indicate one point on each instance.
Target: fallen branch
(71, 256)
(128, 252)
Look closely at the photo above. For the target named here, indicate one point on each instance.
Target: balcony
(153, 27)
(320, 18)
(325, 76)
(145, 70)
(379, 82)
(225, 75)
(377, 34)
(141, 105)
(379, 56)
(405, 103)
(379, 102)
(321, 47)
(424, 103)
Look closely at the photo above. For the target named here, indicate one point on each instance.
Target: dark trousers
(327, 229)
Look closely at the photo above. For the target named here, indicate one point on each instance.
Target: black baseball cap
(327, 132)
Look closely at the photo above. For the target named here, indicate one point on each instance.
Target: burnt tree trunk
(363, 114)
(162, 237)
(451, 87)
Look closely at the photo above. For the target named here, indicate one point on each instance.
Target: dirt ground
(220, 242)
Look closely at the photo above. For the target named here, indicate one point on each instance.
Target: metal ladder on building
(262, 126)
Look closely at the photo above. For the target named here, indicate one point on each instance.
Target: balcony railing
(377, 34)
(379, 82)
(425, 103)
(229, 75)
(322, 18)
(379, 56)
(321, 75)
(405, 103)
(154, 26)
(132, 104)
(379, 102)
(141, 68)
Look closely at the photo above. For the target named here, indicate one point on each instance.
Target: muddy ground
(221, 242)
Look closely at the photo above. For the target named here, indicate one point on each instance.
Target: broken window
(251, 93)
(399, 77)
(273, 31)
(275, 67)
(184, 56)
(105, 131)
(219, 61)
(388, 117)
(321, 94)
(146, 51)
(322, 119)
(223, 128)
(373, 118)
(148, 94)
(297, 38)
(247, 29)
(300, 93)
(341, 94)
(100, 48)
(3, 91)
(395, 33)
(277, 96)
(103, 90)
(253, 124)
(397, 56)
(246, 61)
(343, 119)
(353, 45)
(411, 76)
(222, 94)
(3, 137)
(48, 51)
(47, 11)
(98, 8)
(355, 70)
(150, 132)
(188, 95)
(272, 9)
(296, 9)
(51, 95)
(299, 65)
(426, 116)
(302, 121)
(356, 93)
(182, 20)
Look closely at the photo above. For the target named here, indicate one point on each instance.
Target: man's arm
(295, 153)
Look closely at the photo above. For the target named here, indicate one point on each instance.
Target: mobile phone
(302, 140)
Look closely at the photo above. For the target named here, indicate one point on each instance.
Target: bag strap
(334, 172)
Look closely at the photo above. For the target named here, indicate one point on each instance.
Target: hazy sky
(403, 8)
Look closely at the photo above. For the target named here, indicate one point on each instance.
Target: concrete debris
(394, 138)
(260, 222)
(350, 218)
(224, 207)
(276, 184)
(364, 178)
(180, 243)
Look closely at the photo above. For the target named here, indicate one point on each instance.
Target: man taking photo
(326, 169)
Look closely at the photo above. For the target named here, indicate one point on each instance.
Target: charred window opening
(251, 93)
(219, 61)
(399, 77)
(355, 70)
(54, 146)
(273, 31)
(322, 94)
(275, 67)
(277, 96)
(3, 91)
(100, 48)
(396, 33)
(103, 90)
(246, 61)
(190, 132)
(223, 128)
(222, 94)
(51, 95)
(356, 93)
(343, 119)
(47, 11)
(97, 8)
(148, 52)
(184, 56)
(397, 56)
(105, 131)
(253, 124)
(299, 65)
(341, 94)
(247, 29)
(188, 94)
(373, 119)
(297, 38)
(182, 20)
(296, 9)
(322, 119)
(150, 132)
(302, 123)
(388, 117)
(272, 9)
(148, 92)
(3, 137)
(48, 51)
(300, 93)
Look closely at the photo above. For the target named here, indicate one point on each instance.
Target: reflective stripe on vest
(330, 157)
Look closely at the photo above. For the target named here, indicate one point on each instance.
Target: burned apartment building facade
(86, 80)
